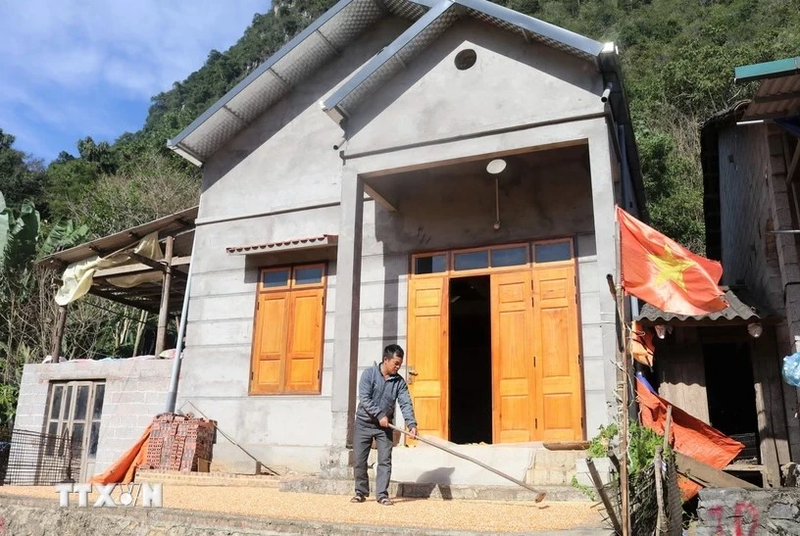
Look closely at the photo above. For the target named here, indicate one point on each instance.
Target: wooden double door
(536, 378)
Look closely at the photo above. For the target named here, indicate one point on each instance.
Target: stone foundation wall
(742, 512)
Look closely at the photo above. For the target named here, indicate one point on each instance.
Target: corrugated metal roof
(769, 69)
(297, 243)
(741, 309)
(775, 98)
(172, 224)
(274, 78)
(334, 30)
(434, 23)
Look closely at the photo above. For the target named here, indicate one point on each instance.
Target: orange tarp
(123, 470)
(690, 436)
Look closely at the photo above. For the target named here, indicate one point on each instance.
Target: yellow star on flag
(670, 268)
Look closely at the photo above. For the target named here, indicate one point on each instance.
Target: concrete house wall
(280, 179)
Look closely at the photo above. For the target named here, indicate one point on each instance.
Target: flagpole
(622, 358)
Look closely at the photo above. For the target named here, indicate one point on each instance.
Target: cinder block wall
(135, 392)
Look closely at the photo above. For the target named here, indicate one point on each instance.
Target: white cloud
(57, 57)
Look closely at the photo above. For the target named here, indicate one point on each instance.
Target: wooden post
(163, 313)
(601, 492)
(139, 331)
(623, 436)
(661, 520)
(58, 332)
(667, 427)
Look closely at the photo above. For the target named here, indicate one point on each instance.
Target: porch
(502, 302)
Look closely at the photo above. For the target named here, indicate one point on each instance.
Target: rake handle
(540, 495)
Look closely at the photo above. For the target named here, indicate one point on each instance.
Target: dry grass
(491, 516)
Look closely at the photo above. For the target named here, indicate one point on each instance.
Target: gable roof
(333, 31)
(344, 23)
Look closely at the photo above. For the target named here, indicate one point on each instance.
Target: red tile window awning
(297, 243)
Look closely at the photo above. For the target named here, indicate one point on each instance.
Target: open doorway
(470, 361)
(731, 395)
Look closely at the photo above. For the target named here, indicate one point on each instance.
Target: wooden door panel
(512, 358)
(269, 346)
(428, 353)
(558, 373)
(304, 348)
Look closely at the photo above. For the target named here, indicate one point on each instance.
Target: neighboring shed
(751, 168)
(721, 368)
(153, 280)
(102, 406)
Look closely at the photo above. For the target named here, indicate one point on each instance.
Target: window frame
(291, 287)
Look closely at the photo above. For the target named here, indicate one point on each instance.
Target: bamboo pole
(163, 313)
(623, 440)
(661, 520)
(139, 331)
(667, 427)
(540, 495)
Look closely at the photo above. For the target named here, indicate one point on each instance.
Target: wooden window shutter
(304, 340)
(269, 345)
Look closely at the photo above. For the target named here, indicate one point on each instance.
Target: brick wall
(135, 392)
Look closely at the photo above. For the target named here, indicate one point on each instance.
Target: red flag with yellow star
(665, 274)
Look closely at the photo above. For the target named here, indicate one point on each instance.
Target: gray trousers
(362, 442)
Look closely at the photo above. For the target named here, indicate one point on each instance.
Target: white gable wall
(511, 84)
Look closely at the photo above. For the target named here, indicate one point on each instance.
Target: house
(438, 174)
(725, 368)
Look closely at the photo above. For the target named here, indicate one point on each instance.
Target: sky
(76, 68)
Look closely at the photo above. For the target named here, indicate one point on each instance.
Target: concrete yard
(267, 502)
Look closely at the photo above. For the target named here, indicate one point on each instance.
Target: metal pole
(172, 395)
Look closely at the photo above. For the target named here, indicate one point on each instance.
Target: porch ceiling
(391, 188)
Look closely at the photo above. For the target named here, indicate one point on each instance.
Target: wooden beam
(792, 169)
(58, 333)
(708, 476)
(156, 265)
(566, 445)
(163, 312)
(123, 301)
(607, 504)
(138, 268)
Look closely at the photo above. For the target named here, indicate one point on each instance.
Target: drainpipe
(172, 395)
(626, 193)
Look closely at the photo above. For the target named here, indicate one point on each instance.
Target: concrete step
(212, 478)
(416, 490)
(531, 463)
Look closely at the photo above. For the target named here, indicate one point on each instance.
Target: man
(378, 391)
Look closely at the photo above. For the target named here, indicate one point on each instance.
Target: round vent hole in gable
(465, 59)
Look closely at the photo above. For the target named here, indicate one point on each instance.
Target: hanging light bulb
(755, 330)
(661, 331)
